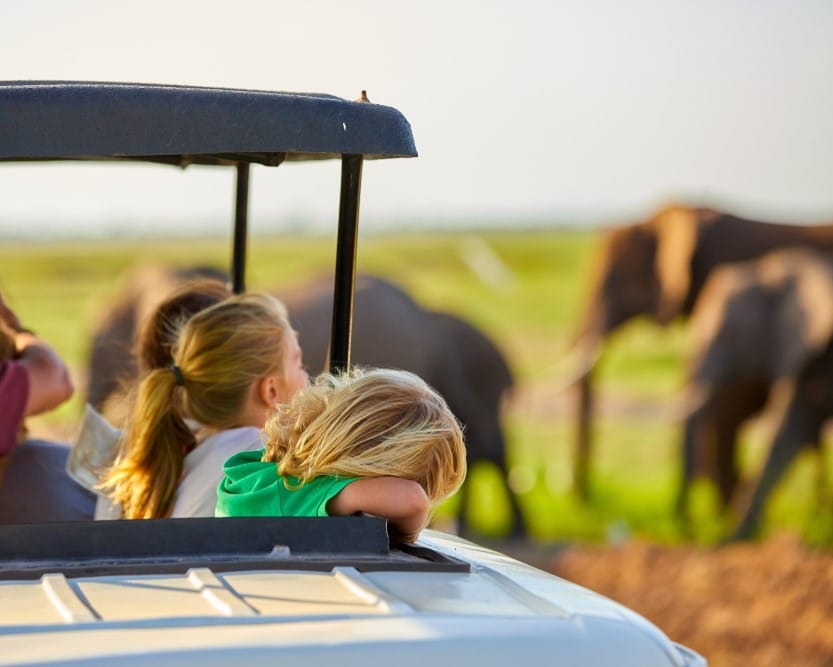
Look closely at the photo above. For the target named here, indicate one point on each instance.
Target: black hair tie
(177, 371)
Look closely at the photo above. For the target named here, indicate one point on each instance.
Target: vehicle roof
(42, 120)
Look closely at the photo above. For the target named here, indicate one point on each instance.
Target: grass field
(526, 290)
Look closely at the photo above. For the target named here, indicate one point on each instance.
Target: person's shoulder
(248, 486)
(218, 447)
(247, 460)
(12, 372)
(14, 385)
(246, 438)
(14, 393)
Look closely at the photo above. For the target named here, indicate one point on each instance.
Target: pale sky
(572, 111)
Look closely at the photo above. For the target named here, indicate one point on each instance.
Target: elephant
(389, 330)
(658, 268)
(763, 339)
(112, 359)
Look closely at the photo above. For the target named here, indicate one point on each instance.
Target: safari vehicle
(229, 591)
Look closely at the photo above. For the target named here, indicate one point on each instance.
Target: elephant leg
(583, 439)
(822, 500)
(699, 451)
(821, 482)
(691, 432)
(710, 443)
(735, 403)
(799, 426)
(519, 528)
(728, 423)
(488, 445)
(710, 438)
(726, 473)
(463, 509)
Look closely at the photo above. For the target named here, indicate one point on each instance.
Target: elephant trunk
(685, 403)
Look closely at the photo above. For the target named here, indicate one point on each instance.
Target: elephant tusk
(485, 263)
(579, 361)
(685, 403)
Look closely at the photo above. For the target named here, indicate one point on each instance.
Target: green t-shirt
(252, 487)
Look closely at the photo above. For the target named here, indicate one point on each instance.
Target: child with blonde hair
(233, 363)
(380, 442)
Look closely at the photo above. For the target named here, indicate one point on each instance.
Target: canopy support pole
(241, 222)
(345, 270)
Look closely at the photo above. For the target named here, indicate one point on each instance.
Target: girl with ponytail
(233, 363)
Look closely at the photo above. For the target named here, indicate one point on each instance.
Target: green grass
(530, 307)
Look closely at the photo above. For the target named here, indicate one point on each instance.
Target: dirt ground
(762, 604)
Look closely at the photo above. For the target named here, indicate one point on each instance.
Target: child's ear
(269, 390)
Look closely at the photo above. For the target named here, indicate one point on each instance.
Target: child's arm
(402, 502)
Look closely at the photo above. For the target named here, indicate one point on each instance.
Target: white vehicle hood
(501, 612)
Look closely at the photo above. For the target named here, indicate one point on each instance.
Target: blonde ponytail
(147, 470)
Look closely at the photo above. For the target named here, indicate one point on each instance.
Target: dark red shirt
(14, 392)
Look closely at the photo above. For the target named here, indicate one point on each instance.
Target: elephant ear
(804, 323)
(677, 235)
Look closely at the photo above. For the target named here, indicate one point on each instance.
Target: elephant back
(389, 327)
